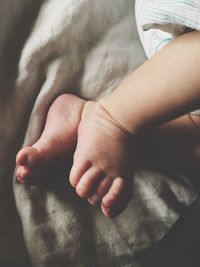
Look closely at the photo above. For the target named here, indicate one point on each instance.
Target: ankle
(104, 105)
(87, 106)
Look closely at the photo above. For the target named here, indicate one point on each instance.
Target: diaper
(160, 22)
(195, 112)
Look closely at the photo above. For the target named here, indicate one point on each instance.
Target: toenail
(105, 207)
(93, 200)
(20, 180)
(80, 192)
(72, 184)
(108, 212)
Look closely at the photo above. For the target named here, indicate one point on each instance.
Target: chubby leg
(57, 139)
(173, 146)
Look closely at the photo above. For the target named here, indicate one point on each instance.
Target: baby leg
(173, 146)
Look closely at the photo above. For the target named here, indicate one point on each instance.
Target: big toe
(22, 173)
(77, 171)
(26, 159)
(117, 198)
(28, 156)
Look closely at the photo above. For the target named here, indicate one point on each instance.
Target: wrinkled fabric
(86, 48)
(160, 22)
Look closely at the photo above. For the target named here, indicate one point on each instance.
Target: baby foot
(58, 138)
(103, 161)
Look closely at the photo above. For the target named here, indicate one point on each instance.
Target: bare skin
(174, 146)
(56, 142)
(105, 173)
(107, 178)
(103, 162)
(102, 170)
(164, 88)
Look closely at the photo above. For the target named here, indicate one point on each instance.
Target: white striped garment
(160, 21)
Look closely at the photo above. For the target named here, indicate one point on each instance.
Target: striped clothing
(160, 21)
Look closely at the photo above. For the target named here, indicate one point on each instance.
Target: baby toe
(87, 181)
(22, 156)
(117, 198)
(30, 176)
(27, 156)
(101, 189)
(22, 173)
(77, 171)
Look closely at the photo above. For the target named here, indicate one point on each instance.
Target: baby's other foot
(103, 168)
(56, 141)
